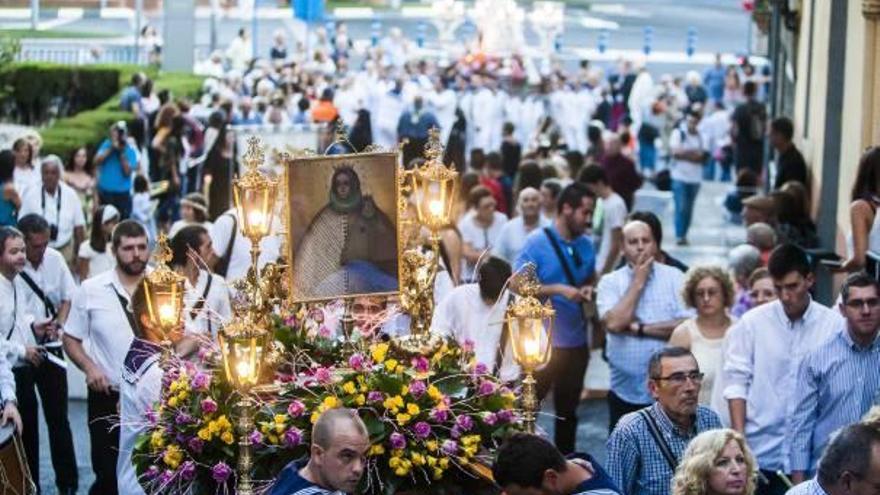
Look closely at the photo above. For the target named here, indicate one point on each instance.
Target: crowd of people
(550, 162)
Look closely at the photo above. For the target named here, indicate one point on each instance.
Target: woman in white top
(95, 256)
(709, 290)
(206, 301)
(479, 230)
(193, 211)
(864, 220)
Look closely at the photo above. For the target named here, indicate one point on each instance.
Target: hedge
(90, 127)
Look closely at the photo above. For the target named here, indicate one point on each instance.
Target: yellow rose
(280, 419)
(401, 471)
(273, 439)
(173, 387)
(360, 400)
(391, 364)
(214, 427)
(403, 419)
(404, 389)
(265, 429)
(172, 456)
(417, 459)
(227, 437)
(172, 401)
(432, 445)
(394, 462)
(378, 352)
(412, 409)
(431, 461)
(349, 388)
(438, 474)
(315, 416)
(330, 402)
(224, 422)
(205, 434)
(390, 404)
(444, 463)
(399, 369)
(377, 449)
(156, 440)
(434, 393)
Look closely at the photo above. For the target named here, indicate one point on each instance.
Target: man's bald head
(529, 202)
(332, 421)
(638, 241)
(339, 447)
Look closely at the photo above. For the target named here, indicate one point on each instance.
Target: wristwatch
(637, 327)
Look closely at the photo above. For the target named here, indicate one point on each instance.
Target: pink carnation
(295, 409)
(209, 406)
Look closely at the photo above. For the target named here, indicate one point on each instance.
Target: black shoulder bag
(223, 265)
(654, 430)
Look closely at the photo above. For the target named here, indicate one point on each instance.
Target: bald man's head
(339, 446)
(638, 241)
(529, 202)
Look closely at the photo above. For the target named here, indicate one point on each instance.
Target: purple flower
(221, 472)
(505, 415)
(480, 369)
(293, 437)
(398, 441)
(324, 332)
(201, 381)
(468, 346)
(465, 422)
(195, 444)
(182, 418)
(421, 364)
(256, 437)
(209, 406)
(290, 321)
(166, 477)
(188, 471)
(295, 409)
(455, 432)
(440, 415)
(486, 388)
(449, 447)
(323, 376)
(357, 361)
(422, 430)
(152, 472)
(417, 388)
(375, 396)
(490, 419)
(152, 416)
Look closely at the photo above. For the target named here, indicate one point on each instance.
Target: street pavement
(711, 237)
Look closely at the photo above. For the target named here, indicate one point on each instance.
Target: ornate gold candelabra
(163, 291)
(531, 333)
(432, 188)
(244, 341)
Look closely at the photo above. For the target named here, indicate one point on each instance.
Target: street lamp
(163, 292)
(432, 188)
(242, 346)
(531, 332)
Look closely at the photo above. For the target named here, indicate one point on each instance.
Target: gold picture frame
(325, 223)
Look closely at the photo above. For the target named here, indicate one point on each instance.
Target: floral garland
(431, 419)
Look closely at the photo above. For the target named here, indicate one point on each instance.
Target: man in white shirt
(233, 250)
(101, 313)
(475, 313)
(689, 150)
(513, 234)
(50, 287)
(206, 301)
(608, 220)
(12, 256)
(763, 353)
(59, 204)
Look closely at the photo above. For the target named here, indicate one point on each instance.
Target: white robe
(386, 114)
(443, 105)
(483, 119)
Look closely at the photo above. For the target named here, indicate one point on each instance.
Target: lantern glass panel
(531, 340)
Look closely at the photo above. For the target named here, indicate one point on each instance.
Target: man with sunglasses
(646, 445)
(839, 380)
(763, 353)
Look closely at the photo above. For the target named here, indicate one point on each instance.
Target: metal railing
(81, 52)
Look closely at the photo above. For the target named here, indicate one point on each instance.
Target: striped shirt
(763, 352)
(636, 463)
(290, 482)
(628, 355)
(837, 383)
(809, 487)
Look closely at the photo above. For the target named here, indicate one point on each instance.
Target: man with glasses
(839, 380)
(764, 351)
(646, 446)
(640, 306)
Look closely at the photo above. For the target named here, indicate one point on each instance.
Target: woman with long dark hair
(864, 220)
(79, 173)
(95, 256)
(215, 164)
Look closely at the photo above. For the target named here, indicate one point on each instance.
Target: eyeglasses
(681, 377)
(871, 303)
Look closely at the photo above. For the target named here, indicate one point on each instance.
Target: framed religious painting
(344, 239)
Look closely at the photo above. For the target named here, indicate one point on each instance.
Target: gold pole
(530, 402)
(245, 455)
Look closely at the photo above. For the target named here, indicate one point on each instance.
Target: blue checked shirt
(628, 355)
(636, 463)
(809, 487)
(837, 383)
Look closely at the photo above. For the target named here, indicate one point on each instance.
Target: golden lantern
(434, 186)
(531, 333)
(242, 346)
(163, 292)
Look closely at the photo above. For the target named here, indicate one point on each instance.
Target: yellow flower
(431, 461)
(330, 402)
(172, 456)
(391, 364)
(156, 440)
(401, 471)
(444, 463)
(417, 459)
(280, 419)
(378, 352)
(404, 389)
(360, 400)
(399, 369)
(394, 462)
(224, 422)
(214, 427)
(434, 393)
(349, 388)
(469, 440)
(438, 474)
(227, 437)
(463, 461)
(172, 401)
(403, 419)
(469, 451)
(205, 434)
(412, 409)
(173, 387)
(315, 416)
(432, 445)
(273, 439)
(265, 428)
(376, 449)
(393, 403)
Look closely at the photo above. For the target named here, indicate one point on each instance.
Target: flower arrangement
(431, 419)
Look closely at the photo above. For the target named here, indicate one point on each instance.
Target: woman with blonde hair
(708, 290)
(716, 462)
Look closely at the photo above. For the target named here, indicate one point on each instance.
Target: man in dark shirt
(528, 464)
(337, 457)
(790, 164)
(749, 121)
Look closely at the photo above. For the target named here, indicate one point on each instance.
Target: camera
(53, 233)
(120, 129)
